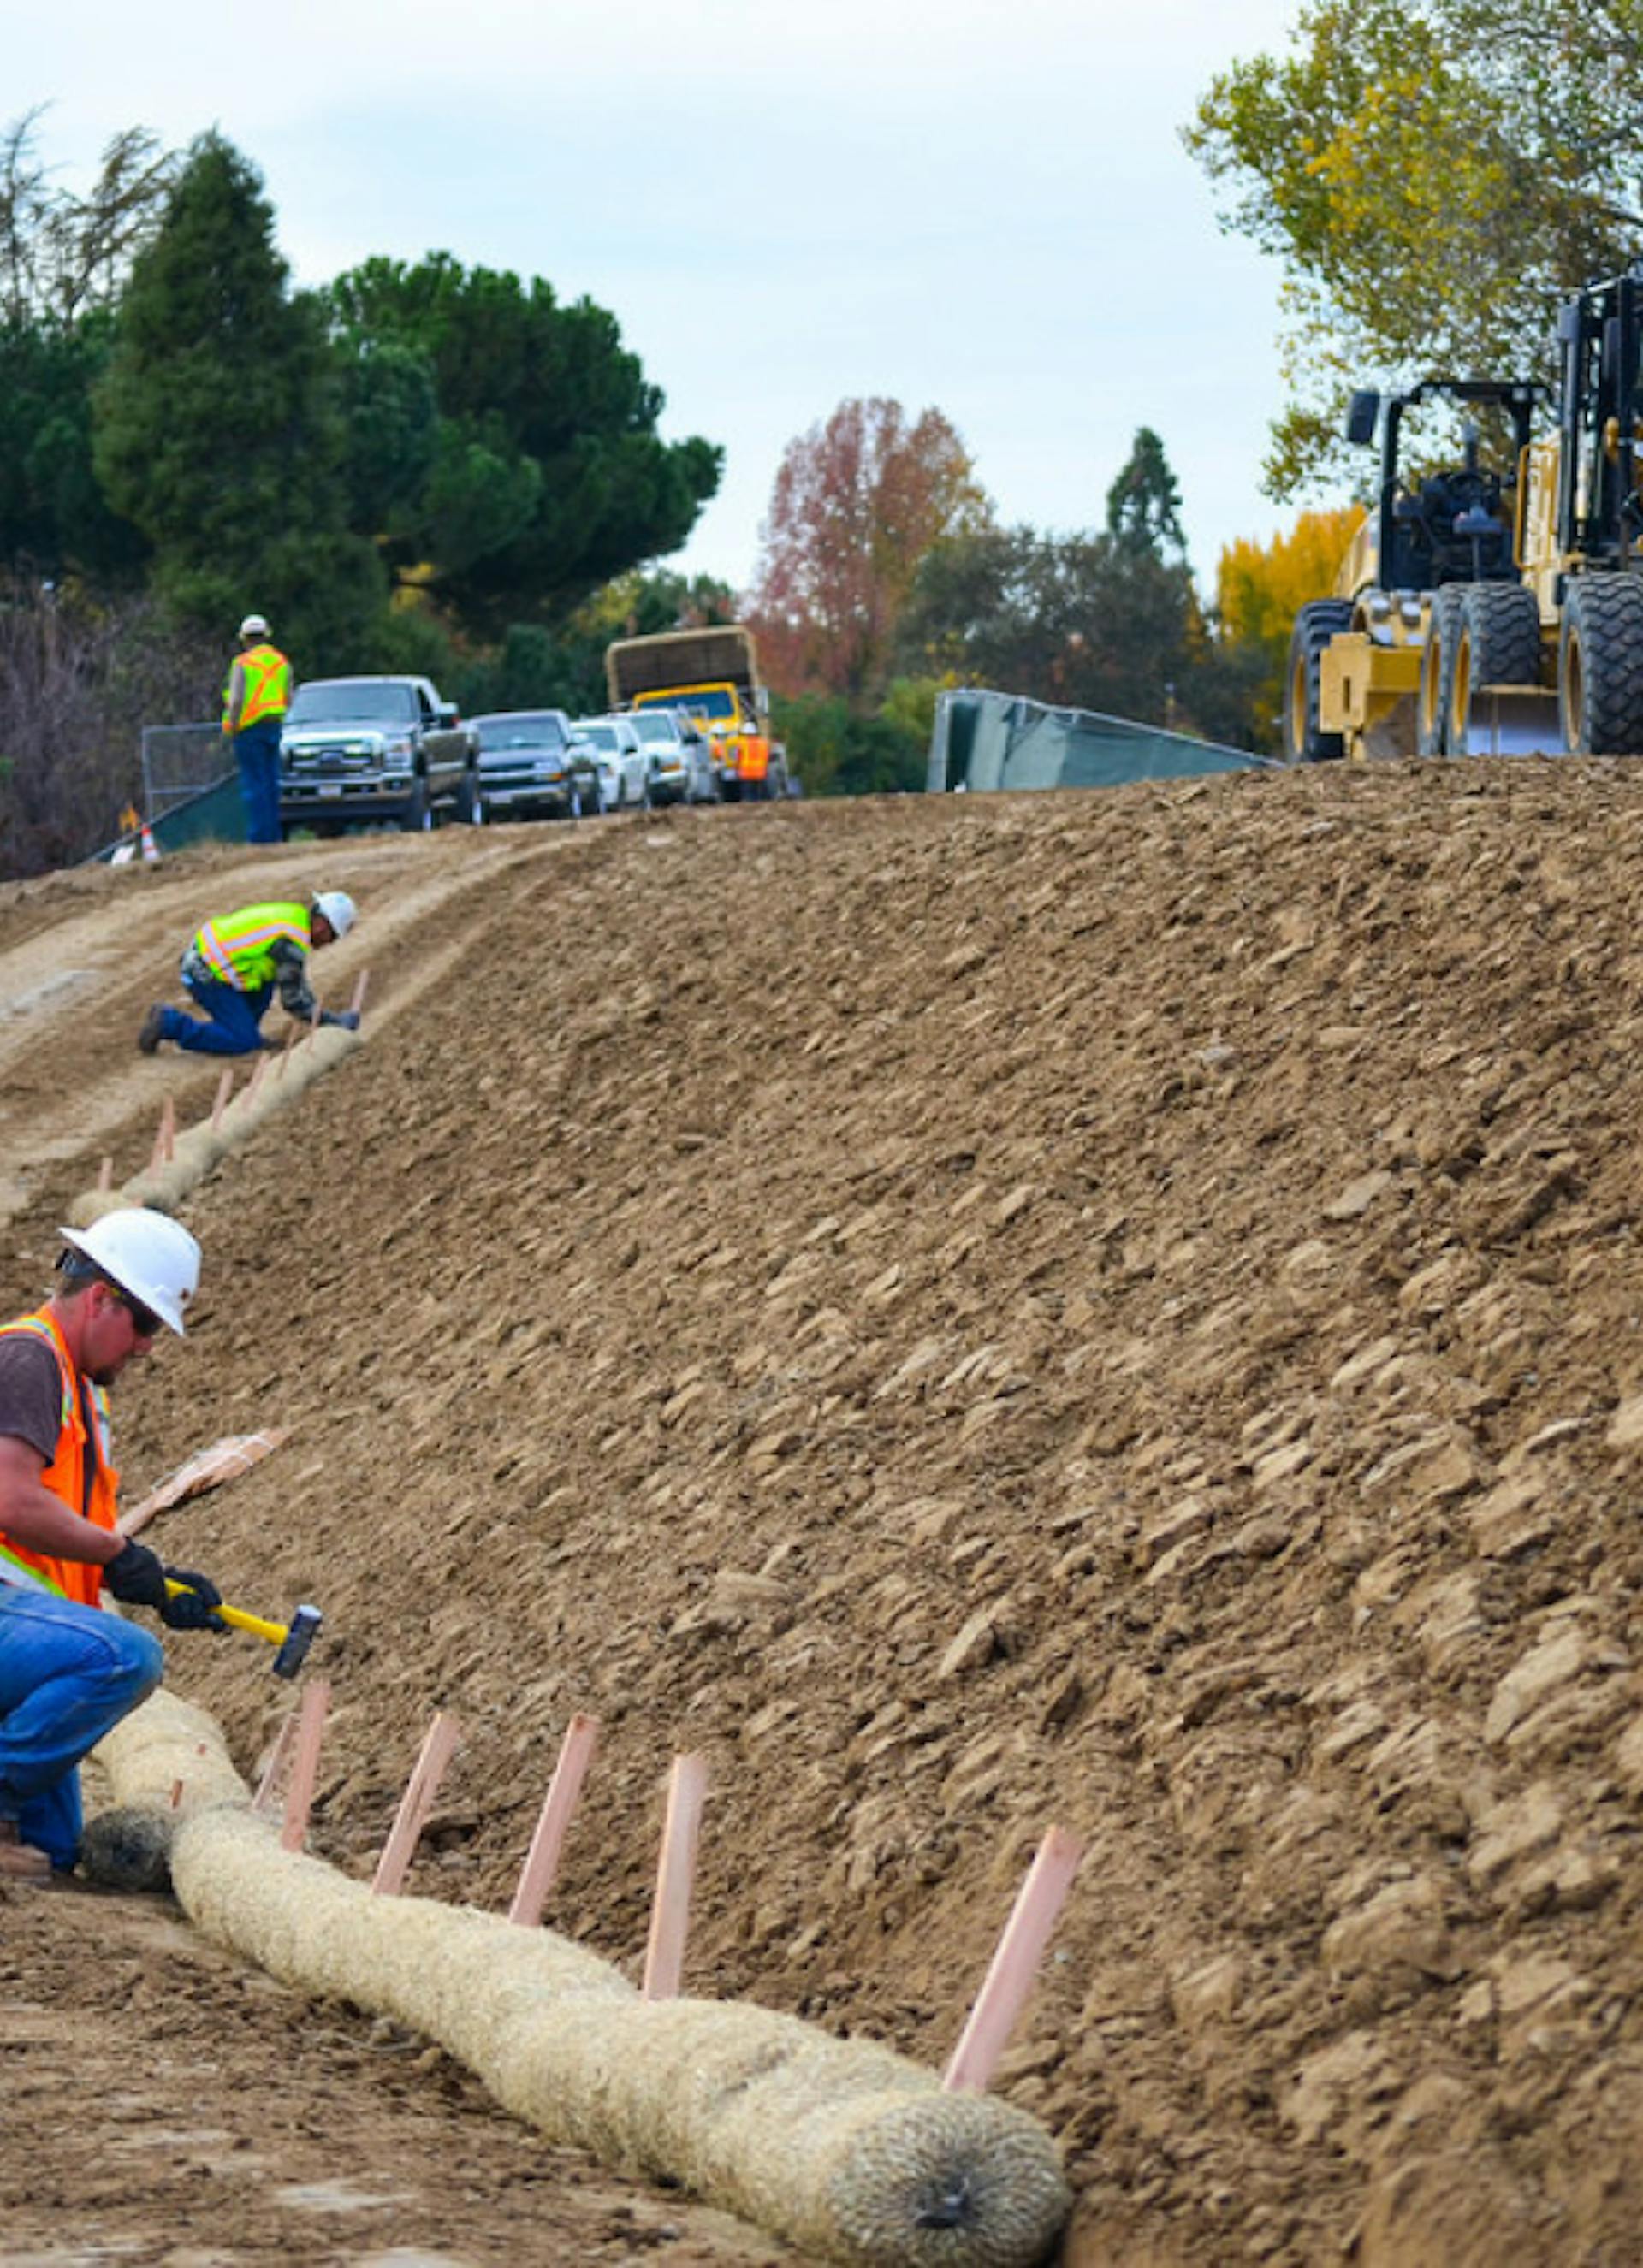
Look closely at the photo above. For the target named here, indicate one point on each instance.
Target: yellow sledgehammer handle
(237, 1618)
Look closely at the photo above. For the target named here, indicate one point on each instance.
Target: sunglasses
(146, 1323)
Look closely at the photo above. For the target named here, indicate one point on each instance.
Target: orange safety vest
(268, 686)
(91, 1492)
(755, 756)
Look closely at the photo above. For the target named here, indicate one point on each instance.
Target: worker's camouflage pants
(67, 1675)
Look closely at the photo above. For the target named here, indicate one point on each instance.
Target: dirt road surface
(1122, 1310)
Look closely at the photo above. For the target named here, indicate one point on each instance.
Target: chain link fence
(181, 761)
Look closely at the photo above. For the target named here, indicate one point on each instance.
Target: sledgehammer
(293, 1639)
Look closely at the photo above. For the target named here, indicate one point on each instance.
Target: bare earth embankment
(1119, 1309)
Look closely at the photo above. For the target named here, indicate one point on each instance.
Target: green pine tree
(218, 428)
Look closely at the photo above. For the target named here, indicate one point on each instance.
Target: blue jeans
(233, 1020)
(67, 1675)
(256, 752)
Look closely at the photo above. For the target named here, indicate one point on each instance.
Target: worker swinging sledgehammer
(69, 1672)
(233, 967)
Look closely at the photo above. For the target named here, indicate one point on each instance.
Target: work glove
(194, 1607)
(137, 1576)
(348, 1018)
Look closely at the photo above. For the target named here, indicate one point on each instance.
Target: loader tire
(1304, 741)
(1499, 644)
(1434, 702)
(1600, 666)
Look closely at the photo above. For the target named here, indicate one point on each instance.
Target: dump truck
(713, 673)
(1494, 611)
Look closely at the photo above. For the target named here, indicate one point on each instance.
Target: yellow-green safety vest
(268, 686)
(238, 949)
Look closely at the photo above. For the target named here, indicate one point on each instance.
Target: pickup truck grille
(331, 763)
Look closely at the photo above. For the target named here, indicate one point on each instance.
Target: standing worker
(753, 767)
(254, 701)
(231, 968)
(68, 1671)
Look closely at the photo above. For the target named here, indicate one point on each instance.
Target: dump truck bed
(722, 656)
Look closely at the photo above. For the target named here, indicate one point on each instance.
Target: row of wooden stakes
(165, 1137)
(289, 1775)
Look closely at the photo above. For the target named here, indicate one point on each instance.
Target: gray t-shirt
(31, 1393)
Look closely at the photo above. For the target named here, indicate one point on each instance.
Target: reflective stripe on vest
(66, 1475)
(268, 686)
(238, 949)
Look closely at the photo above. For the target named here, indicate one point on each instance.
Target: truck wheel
(1433, 703)
(1305, 742)
(418, 818)
(1497, 643)
(1600, 666)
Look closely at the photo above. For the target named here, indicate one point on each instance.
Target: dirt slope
(1120, 1310)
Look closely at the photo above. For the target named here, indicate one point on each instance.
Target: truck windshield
(348, 700)
(520, 730)
(709, 701)
(653, 725)
(603, 736)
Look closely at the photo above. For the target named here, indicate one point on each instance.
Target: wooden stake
(224, 1088)
(565, 1789)
(305, 1766)
(439, 1743)
(293, 1033)
(176, 1795)
(357, 1004)
(106, 1174)
(166, 1138)
(268, 1786)
(670, 1915)
(1009, 1977)
(257, 1076)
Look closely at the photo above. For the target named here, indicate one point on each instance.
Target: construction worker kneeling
(232, 967)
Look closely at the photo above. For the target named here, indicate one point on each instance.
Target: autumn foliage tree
(1432, 174)
(858, 502)
(1261, 587)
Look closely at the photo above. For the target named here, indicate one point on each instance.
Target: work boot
(153, 1030)
(19, 1861)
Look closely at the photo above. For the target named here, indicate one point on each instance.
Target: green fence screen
(984, 741)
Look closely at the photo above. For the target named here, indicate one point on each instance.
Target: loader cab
(1453, 524)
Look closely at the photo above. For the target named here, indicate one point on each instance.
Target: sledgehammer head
(305, 1627)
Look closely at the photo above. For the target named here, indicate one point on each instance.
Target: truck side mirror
(1363, 415)
(446, 712)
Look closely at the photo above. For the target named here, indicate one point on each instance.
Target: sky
(981, 207)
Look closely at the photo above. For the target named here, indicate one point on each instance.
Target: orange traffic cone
(150, 849)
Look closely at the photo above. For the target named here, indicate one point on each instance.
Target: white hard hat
(338, 909)
(255, 626)
(146, 1254)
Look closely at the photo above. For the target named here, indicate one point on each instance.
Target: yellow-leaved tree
(1261, 587)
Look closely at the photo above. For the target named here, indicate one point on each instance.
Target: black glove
(137, 1576)
(347, 1019)
(193, 1607)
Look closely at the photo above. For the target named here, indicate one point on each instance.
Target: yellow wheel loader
(1356, 685)
(1494, 612)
